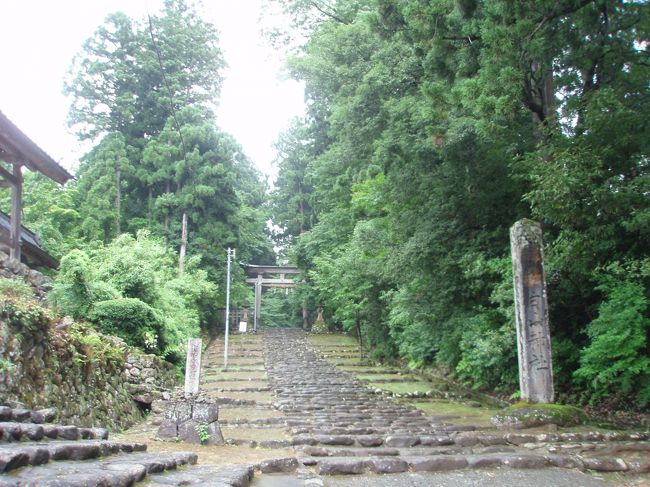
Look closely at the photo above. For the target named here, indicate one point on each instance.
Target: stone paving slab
(337, 423)
(122, 470)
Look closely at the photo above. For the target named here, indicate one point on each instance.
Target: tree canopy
(432, 127)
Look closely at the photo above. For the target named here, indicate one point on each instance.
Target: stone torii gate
(260, 281)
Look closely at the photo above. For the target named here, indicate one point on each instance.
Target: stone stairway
(340, 426)
(34, 452)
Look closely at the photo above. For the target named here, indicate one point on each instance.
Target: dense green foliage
(143, 92)
(432, 127)
(131, 288)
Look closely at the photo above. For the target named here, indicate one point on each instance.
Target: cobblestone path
(295, 414)
(340, 426)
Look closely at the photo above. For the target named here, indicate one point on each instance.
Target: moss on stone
(527, 415)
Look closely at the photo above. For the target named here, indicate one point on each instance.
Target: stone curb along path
(339, 426)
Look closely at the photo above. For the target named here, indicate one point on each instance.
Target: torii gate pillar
(258, 301)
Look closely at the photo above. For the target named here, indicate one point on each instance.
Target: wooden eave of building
(32, 252)
(17, 148)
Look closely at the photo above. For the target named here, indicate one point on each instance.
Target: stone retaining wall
(12, 269)
(89, 378)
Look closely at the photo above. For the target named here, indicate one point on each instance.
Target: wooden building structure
(18, 150)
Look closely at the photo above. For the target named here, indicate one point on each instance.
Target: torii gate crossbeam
(260, 282)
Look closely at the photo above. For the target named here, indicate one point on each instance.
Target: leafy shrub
(616, 362)
(16, 288)
(143, 269)
(131, 319)
(488, 352)
(24, 314)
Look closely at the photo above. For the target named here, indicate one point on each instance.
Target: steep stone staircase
(341, 426)
(305, 414)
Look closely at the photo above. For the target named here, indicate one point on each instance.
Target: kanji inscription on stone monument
(531, 309)
(193, 366)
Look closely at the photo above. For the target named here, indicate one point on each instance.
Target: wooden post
(258, 302)
(16, 212)
(531, 308)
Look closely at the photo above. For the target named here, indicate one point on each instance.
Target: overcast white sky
(39, 38)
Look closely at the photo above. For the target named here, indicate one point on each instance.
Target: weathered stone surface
(342, 466)
(533, 332)
(179, 411)
(436, 440)
(605, 464)
(524, 461)
(187, 432)
(370, 440)
(11, 460)
(401, 441)
(334, 439)
(5, 413)
(20, 415)
(193, 366)
(483, 461)
(43, 415)
(205, 412)
(463, 440)
(68, 432)
(437, 463)
(215, 435)
(289, 464)
(388, 465)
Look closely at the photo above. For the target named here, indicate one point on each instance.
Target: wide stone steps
(49, 455)
(340, 426)
(120, 470)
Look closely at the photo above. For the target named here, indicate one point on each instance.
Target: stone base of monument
(193, 419)
(527, 415)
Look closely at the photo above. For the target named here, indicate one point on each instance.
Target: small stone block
(205, 412)
(168, 430)
(388, 465)
(605, 464)
(401, 441)
(187, 432)
(43, 416)
(21, 415)
(436, 440)
(5, 413)
(370, 440)
(12, 460)
(276, 465)
(179, 411)
(524, 461)
(342, 466)
(437, 463)
(216, 437)
(33, 432)
(68, 432)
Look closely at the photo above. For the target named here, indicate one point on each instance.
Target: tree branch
(331, 15)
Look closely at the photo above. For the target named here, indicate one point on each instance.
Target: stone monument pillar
(531, 309)
(193, 367)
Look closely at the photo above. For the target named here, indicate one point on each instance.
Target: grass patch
(234, 384)
(257, 434)
(233, 374)
(465, 414)
(385, 377)
(406, 387)
(248, 413)
(334, 340)
(260, 397)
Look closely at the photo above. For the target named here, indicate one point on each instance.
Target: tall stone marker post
(193, 367)
(531, 308)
